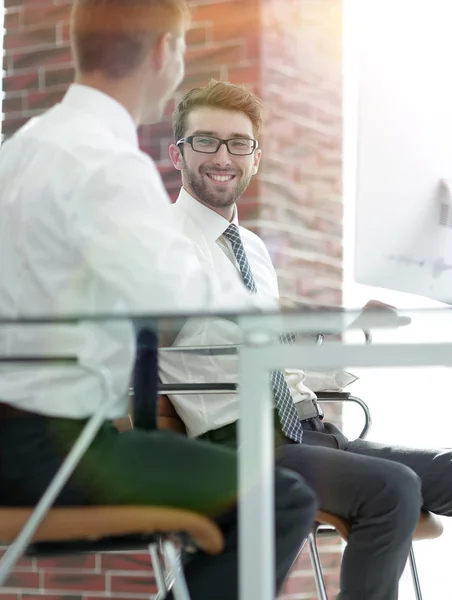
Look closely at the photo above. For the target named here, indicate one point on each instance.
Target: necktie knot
(232, 233)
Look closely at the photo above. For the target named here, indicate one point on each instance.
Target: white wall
(421, 398)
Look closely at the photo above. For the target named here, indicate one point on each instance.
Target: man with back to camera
(379, 489)
(85, 229)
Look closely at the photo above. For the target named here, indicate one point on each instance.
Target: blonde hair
(114, 36)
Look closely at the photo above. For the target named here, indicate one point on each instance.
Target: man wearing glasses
(380, 490)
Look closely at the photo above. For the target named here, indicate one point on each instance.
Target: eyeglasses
(210, 145)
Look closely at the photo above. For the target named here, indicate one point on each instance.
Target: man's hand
(373, 314)
(376, 313)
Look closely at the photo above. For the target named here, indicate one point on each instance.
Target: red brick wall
(126, 576)
(289, 51)
(300, 197)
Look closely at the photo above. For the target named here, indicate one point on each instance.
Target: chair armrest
(197, 388)
(47, 360)
(347, 397)
(220, 350)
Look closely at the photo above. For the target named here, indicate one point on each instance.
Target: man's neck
(126, 91)
(227, 212)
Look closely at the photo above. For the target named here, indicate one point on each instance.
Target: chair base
(429, 527)
(317, 567)
(168, 571)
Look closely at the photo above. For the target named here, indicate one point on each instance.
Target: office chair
(326, 524)
(47, 531)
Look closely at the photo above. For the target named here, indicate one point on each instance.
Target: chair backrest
(167, 417)
(145, 380)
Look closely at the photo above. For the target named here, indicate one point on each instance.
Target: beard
(216, 198)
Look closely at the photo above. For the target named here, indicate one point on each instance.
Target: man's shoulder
(251, 237)
(79, 135)
(248, 233)
(255, 248)
(182, 220)
(81, 157)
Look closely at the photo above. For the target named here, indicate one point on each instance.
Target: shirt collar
(212, 224)
(104, 108)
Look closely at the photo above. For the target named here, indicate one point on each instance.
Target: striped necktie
(287, 412)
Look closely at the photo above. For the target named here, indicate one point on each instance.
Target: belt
(309, 409)
(9, 413)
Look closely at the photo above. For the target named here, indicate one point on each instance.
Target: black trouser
(155, 468)
(381, 490)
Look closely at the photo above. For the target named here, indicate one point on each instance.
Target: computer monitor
(403, 227)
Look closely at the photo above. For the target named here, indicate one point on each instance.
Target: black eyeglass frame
(189, 140)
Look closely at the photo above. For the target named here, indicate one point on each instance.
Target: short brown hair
(113, 36)
(219, 94)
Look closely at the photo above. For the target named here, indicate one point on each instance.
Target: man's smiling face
(218, 180)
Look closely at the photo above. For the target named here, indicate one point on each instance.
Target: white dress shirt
(205, 227)
(85, 227)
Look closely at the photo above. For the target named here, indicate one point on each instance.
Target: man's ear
(176, 157)
(257, 160)
(162, 51)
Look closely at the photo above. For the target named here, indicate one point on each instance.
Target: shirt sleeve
(127, 239)
(295, 380)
